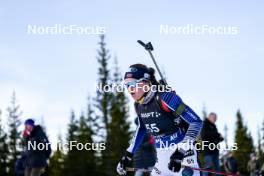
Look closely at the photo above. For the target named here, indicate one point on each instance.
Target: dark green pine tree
(56, 165)
(259, 147)
(119, 132)
(70, 165)
(262, 130)
(14, 139)
(103, 102)
(93, 125)
(244, 143)
(261, 144)
(86, 156)
(103, 98)
(91, 117)
(3, 150)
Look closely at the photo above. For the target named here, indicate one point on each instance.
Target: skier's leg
(161, 166)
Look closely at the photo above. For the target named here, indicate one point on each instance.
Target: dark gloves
(175, 160)
(125, 162)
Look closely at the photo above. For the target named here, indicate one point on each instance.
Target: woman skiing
(168, 119)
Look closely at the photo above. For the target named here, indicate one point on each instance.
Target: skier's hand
(125, 161)
(25, 134)
(175, 161)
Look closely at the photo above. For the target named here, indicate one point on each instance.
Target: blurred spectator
(20, 165)
(210, 134)
(253, 166)
(145, 156)
(262, 169)
(36, 159)
(230, 164)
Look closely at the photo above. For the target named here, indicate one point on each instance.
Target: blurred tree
(93, 125)
(91, 118)
(103, 99)
(14, 139)
(80, 160)
(119, 127)
(262, 129)
(86, 156)
(260, 146)
(56, 165)
(3, 150)
(70, 164)
(244, 143)
(103, 96)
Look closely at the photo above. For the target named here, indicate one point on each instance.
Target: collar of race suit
(147, 97)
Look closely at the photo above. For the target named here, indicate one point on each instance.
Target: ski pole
(150, 48)
(211, 171)
(131, 169)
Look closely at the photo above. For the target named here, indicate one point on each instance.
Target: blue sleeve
(170, 102)
(138, 137)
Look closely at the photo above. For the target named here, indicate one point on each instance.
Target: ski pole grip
(142, 43)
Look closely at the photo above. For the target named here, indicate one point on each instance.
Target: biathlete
(163, 114)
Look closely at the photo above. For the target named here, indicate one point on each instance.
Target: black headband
(137, 73)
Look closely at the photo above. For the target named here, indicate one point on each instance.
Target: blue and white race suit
(174, 125)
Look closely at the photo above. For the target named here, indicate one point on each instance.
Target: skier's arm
(136, 141)
(171, 102)
(138, 137)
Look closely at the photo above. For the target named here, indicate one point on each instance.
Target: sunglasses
(134, 83)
